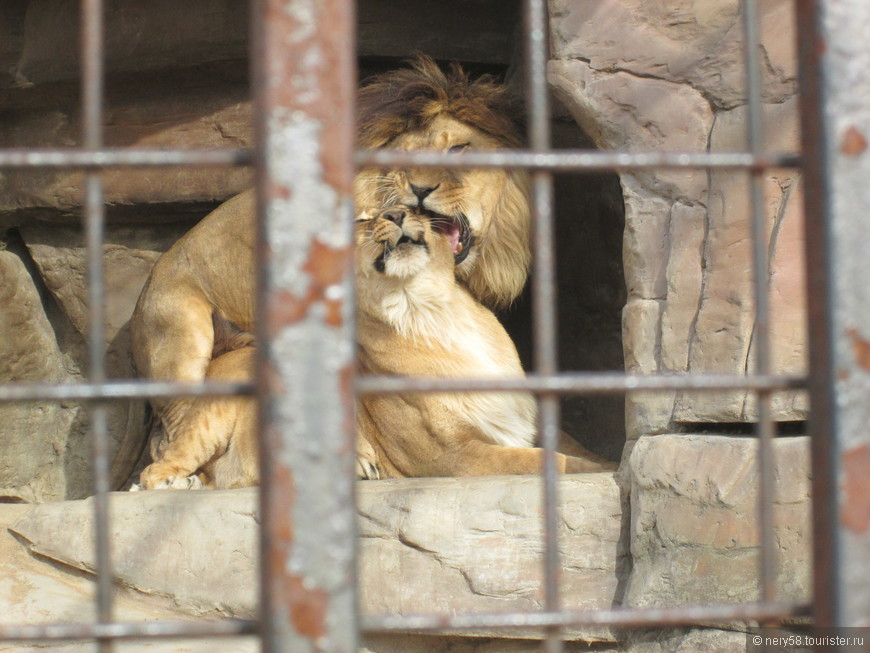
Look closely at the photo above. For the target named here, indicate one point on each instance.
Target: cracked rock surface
(426, 545)
(639, 77)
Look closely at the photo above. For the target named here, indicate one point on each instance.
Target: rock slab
(451, 545)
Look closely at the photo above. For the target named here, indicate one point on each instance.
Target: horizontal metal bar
(562, 160)
(128, 630)
(567, 160)
(622, 617)
(120, 390)
(122, 158)
(579, 383)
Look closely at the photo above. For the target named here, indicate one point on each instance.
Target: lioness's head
(484, 212)
(400, 242)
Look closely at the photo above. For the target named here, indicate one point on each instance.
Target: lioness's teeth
(459, 248)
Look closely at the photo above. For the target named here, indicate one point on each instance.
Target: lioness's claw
(182, 483)
(366, 470)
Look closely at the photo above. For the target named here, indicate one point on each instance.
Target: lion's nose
(396, 216)
(422, 192)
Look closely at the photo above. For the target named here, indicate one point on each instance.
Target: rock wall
(639, 77)
(695, 532)
(171, 82)
(695, 529)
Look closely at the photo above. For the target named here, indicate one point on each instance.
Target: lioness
(413, 319)
(201, 291)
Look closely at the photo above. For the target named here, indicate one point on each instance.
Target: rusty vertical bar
(842, 50)
(92, 49)
(304, 76)
(537, 55)
(822, 380)
(761, 328)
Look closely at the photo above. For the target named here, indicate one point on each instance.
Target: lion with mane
(486, 211)
(199, 299)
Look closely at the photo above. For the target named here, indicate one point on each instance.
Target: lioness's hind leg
(172, 340)
(201, 435)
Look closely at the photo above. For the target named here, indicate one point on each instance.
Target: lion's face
(484, 212)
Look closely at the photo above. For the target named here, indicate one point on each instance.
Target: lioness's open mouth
(457, 229)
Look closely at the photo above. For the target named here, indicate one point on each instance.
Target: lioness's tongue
(454, 232)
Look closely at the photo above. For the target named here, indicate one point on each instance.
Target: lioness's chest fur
(430, 326)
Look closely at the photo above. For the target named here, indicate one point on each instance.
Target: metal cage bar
(113, 157)
(835, 132)
(304, 80)
(576, 160)
(622, 617)
(823, 422)
(761, 327)
(545, 330)
(128, 630)
(562, 160)
(120, 390)
(92, 42)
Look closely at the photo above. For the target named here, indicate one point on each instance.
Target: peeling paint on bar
(835, 62)
(303, 85)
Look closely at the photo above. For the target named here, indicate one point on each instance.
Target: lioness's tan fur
(413, 319)
(197, 290)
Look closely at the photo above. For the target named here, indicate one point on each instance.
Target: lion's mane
(410, 100)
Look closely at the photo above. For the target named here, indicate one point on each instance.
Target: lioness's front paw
(180, 483)
(162, 475)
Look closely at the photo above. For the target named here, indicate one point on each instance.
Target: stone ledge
(459, 546)
(452, 545)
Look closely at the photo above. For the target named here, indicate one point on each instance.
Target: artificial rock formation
(467, 545)
(447, 545)
(33, 468)
(642, 77)
(695, 532)
(201, 103)
(695, 527)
